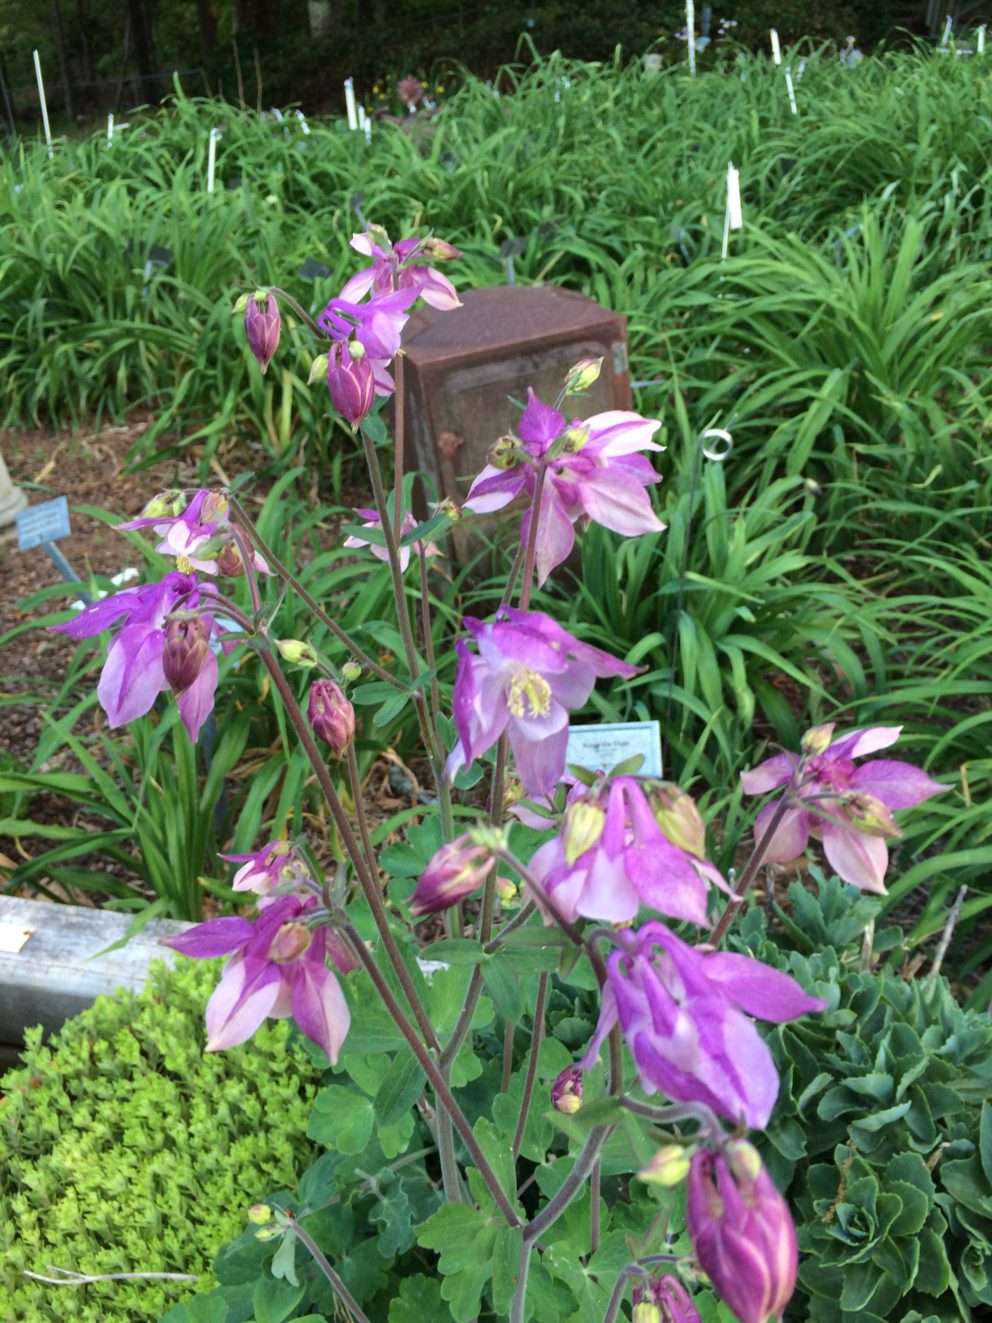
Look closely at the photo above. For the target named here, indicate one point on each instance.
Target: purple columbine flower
(612, 856)
(848, 807)
(279, 865)
(394, 265)
(377, 325)
(684, 1014)
(742, 1231)
(133, 675)
(201, 533)
(351, 381)
(528, 674)
(331, 715)
(598, 475)
(371, 520)
(277, 969)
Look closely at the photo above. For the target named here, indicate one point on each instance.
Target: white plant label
(215, 137)
(349, 101)
(734, 210)
(110, 129)
(44, 103)
(690, 34)
(980, 40)
(603, 747)
(776, 48)
(792, 92)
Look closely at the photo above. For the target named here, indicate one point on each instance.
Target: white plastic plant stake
(44, 104)
(980, 40)
(110, 129)
(215, 137)
(303, 121)
(349, 102)
(364, 123)
(734, 216)
(800, 71)
(776, 48)
(690, 32)
(791, 90)
(948, 29)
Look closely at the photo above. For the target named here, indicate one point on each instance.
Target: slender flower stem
(704, 1116)
(425, 629)
(531, 1076)
(517, 921)
(427, 730)
(289, 578)
(367, 879)
(427, 1063)
(509, 1033)
(399, 435)
(733, 906)
(535, 519)
(571, 1185)
(303, 315)
(337, 1285)
(355, 781)
(594, 1209)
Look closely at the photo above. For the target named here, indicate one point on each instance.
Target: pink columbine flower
(394, 267)
(371, 519)
(848, 807)
(528, 674)
(331, 715)
(742, 1231)
(684, 1014)
(612, 856)
(597, 475)
(351, 382)
(134, 675)
(201, 532)
(277, 969)
(277, 866)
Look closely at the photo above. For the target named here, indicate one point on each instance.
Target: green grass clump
(125, 1148)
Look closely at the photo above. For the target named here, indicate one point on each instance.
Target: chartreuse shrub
(125, 1148)
(882, 1137)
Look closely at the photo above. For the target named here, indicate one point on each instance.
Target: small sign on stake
(776, 48)
(314, 270)
(734, 216)
(41, 526)
(605, 746)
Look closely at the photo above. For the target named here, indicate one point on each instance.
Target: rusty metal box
(461, 368)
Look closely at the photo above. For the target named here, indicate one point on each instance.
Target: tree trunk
(63, 68)
(206, 20)
(259, 16)
(144, 49)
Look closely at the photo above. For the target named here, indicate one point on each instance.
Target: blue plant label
(43, 523)
(605, 746)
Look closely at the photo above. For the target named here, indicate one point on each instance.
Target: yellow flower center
(530, 694)
(183, 565)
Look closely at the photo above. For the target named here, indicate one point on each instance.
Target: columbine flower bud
(582, 829)
(259, 1214)
(331, 715)
(318, 369)
(166, 504)
(582, 375)
(262, 327)
(351, 671)
(456, 870)
(566, 1092)
(438, 250)
(229, 561)
(506, 890)
(663, 1300)
(449, 508)
(868, 814)
(297, 653)
(241, 304)
(504, 453)
(186, 648)
(817, 739)
(669, 1166)
(742, 1231)
(676, 814)
(350, 384)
